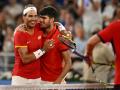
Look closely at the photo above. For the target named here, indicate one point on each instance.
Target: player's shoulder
(56, 35)
(20, 29)
(116, 22)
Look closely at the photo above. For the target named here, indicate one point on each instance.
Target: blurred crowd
(82, 17)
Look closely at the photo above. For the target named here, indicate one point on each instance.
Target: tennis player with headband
(28, 48)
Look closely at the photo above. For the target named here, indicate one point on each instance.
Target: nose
(34, 18)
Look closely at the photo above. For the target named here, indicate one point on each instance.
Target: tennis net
(94, 86)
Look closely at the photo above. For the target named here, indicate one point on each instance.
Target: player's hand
(88, 59)
(48, 45)
(21, 28)
(63, 31)
(66, 34)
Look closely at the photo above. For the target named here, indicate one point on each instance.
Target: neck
(49, 29)
(29, 30)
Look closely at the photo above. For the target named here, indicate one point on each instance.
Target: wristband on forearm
(39, 53)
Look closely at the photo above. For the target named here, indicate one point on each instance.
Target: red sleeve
(20, 40)
(106, 35)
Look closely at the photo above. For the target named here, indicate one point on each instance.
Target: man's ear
(52, 20)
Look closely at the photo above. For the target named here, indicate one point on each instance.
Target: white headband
(29, 9)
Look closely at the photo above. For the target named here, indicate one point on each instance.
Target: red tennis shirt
(112, 33)
(33, 43)
(51, 62)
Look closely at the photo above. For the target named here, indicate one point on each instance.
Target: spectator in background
(116, 14)
(2, 26)
(91, 14)
(69, 21)
(38, 3)
(8, 41)
(103, 4)
(72, 8)
(3, 3)
(1, 40)
(13, 9)
(8, 47)
(19, 20)
(79, 38)
(109, 10)
(50, 2)
(63, 12)
(103, 58)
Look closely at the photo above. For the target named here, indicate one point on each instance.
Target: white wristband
(38, 53)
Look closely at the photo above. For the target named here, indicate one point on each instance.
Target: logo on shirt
(39, 37)
(28, 42)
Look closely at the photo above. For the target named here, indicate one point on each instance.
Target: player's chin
(43, 26)
(32, 24)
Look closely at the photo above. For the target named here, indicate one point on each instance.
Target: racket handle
(81, 56)
(87, 59)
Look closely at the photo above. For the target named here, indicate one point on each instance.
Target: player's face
(30, 19)
(45, 22)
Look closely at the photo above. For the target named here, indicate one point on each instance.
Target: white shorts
(47, 82)
(18, 80)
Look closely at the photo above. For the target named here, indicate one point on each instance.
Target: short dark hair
(49, 11)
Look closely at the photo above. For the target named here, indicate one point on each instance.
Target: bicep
(66, 55)
(22, 51)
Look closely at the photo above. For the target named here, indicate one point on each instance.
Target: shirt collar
(51, 33)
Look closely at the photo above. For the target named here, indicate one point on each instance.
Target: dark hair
(1, 9)
(10, 26)
(49, 11)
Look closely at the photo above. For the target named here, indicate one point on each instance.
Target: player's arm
(66, 68)
(29, 57)
(25, 56)
(91, 44)
(105, 35)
